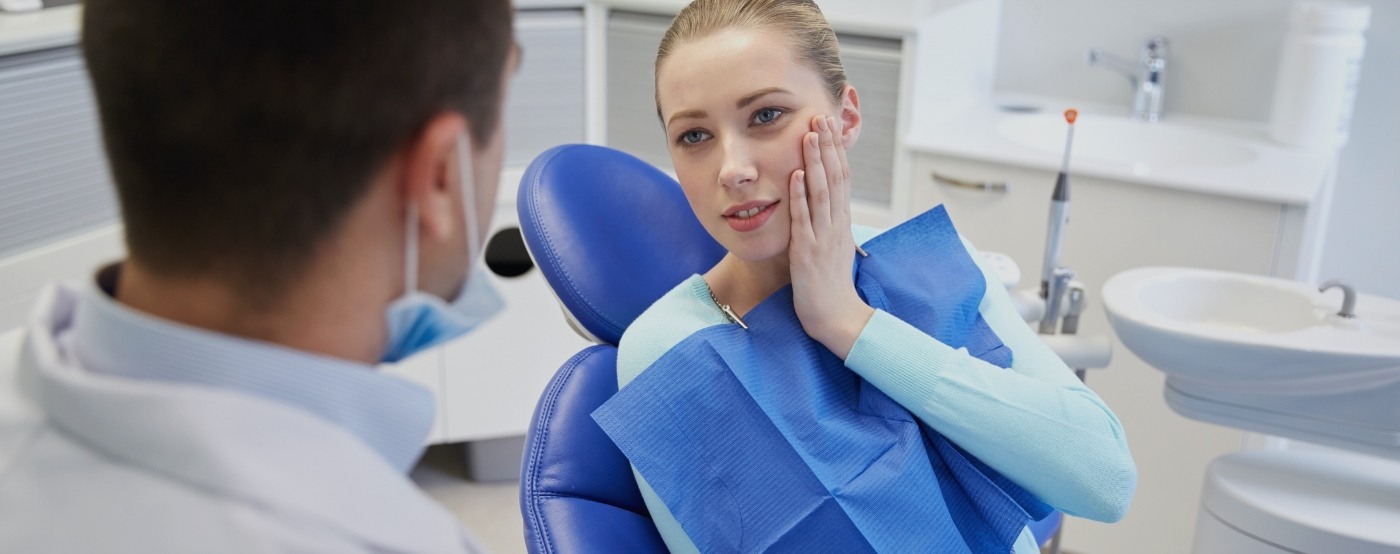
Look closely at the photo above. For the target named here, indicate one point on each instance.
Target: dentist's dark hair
(241, 132)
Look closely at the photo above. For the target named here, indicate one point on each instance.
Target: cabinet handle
(1001, 187)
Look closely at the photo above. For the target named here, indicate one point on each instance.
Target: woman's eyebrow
(690, 114)
(745, 101)
(750, 98)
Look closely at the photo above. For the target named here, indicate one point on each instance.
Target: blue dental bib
(762, 440)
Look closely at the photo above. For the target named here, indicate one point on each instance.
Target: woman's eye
(766, 115)
(693, 137)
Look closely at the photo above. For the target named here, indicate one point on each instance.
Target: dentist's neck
(334, 307)
(310, 318)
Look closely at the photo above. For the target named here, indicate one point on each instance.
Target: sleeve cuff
(899, 359)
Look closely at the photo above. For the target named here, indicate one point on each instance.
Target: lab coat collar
(390, 414)
(272, 456)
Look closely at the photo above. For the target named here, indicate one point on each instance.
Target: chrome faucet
(1146, 75)
(1348, 310)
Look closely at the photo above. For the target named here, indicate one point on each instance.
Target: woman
(758, 115)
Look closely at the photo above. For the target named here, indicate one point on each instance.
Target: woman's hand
(822, 250)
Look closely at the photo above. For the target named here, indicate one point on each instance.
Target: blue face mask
(418, 320)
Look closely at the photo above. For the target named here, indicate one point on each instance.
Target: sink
(1266, 354)
(1117, 140)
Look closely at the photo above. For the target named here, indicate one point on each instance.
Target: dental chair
(611, 234)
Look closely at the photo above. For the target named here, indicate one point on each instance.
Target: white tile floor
(490, 510)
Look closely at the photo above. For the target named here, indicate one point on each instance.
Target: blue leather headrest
(610, 233)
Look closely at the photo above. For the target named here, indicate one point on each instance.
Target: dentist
(304, 186)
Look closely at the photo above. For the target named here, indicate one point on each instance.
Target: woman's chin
(756, 249)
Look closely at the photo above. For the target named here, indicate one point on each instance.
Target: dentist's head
(293, 171)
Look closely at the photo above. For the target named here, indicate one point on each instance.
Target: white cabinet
(1115, 226)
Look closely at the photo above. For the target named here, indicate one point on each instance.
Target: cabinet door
(545, 106)
(872, 67)
(632, 40)
(1114, 227)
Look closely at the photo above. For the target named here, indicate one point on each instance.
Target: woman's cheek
(784, 154)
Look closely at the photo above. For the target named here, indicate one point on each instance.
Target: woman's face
(735, 106)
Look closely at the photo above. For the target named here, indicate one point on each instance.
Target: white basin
(1116, 140)
(1266, 354)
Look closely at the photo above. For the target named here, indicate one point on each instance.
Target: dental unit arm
(1063, 299)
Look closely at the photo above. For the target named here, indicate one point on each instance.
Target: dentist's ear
(850, 117)
(430, 174)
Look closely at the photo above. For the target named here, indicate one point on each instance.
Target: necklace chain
(728, 312)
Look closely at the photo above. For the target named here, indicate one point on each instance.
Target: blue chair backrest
(610, 233)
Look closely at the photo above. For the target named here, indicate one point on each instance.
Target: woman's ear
(430, 168)
(850, 116)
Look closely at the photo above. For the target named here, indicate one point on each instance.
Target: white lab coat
(94, 463)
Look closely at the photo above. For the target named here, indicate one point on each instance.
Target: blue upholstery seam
(550, 251)
(532, 469)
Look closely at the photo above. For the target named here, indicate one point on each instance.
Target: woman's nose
(738, 168)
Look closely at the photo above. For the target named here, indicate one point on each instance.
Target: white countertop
(1276, 174)
(49, 28)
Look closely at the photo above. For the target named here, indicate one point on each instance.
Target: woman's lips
(746, 224)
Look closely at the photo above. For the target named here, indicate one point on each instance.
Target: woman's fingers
(837, 182)
(797, 208)
(818, 193)
(845, 201)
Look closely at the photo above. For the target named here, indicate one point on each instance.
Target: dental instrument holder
(1070, 324)
(1148, 75)
(1059, 282)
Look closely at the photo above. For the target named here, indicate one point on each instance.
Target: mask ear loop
(410, 270)
(410, 250)
(464, 158)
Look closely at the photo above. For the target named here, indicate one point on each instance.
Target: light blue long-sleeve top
(1036, 423)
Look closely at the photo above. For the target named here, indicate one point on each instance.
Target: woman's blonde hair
(801, 21)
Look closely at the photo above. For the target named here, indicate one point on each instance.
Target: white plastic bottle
(1318, 73)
